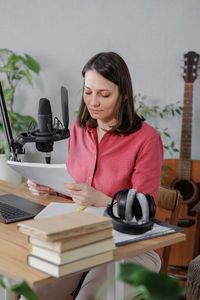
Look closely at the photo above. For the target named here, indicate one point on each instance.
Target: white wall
(151, 35)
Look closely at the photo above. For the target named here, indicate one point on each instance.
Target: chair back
(169, 200)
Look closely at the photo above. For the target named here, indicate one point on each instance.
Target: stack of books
(67, 243)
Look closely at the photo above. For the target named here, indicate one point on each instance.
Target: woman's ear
(126, 98)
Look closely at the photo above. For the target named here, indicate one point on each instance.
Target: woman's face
(100, 96)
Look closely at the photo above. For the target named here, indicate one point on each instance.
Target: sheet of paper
(54, 209)
(52, 175)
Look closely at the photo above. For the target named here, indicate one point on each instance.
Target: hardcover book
(63, 245)
(74, 254)
(64, 226)
(69, 268)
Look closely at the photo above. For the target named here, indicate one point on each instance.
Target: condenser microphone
(45, 128)
(49, 130)
(45, 117)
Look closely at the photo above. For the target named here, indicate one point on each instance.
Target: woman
(110, 148)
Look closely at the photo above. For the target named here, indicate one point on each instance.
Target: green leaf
(29, 77)
(165, 110)
(16, 116)
(21, 123)
(13, 59)
(22, 288)
(1, 126)
(158, 285)
(31, 64)
(103, 288)
(7, 69)
(166, 134)
(8, 94)
(172, 144)
(144, 97)
(21, 58)
(27, 74)
(178, 111)
(4, 50)
(22, 72)
(165, 167)
(4, 282)
(17, 77)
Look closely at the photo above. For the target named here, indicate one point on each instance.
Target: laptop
(14, 208)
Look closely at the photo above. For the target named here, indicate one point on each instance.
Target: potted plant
(14, 69)
(152, 114)
(148, 285)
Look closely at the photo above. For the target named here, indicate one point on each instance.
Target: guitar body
(182, 253)
(172, 172)
(183, 174)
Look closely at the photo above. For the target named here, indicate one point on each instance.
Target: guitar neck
(186, 134)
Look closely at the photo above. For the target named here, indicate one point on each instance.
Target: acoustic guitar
(184, 174)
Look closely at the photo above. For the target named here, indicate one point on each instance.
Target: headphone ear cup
(121, 203)
(108, 211)
(144, 204)
(152, 207)
(129, 213)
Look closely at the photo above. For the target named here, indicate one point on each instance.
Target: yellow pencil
(81, 208)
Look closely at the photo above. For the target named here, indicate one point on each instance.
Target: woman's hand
(39, 190)
(84, 194)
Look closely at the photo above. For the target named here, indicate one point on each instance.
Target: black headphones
(136, 212)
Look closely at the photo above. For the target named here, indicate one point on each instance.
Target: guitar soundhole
(187, 188)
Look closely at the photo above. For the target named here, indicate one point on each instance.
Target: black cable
(77, 289)
(48, 159)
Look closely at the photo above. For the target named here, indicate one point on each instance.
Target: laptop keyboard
(9, 214)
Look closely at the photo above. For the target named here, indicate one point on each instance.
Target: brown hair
(112, 67)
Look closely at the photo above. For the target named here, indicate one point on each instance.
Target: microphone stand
(48, 157)
(14, 148)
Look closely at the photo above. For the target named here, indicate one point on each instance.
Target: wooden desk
(14, 245)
